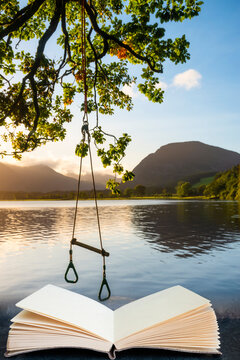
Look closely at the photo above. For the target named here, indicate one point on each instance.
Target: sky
(201, 100)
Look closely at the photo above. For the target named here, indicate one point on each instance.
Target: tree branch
(105, 42)
(96, 57)
(8, 113)
(7, 81)
(8, 40)
(65, 32)
(19, 13)
(20, 36)
(46, 36)
(30, 76)
(21, 17)
(41, 45)
(95, 75)
(106, 36)
(36, 106)
(66, 73)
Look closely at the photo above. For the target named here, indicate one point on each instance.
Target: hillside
(189, 161)
(39, 178)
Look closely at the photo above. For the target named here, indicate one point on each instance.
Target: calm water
(154, 244)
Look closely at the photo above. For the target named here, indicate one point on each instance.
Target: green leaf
(82, 149)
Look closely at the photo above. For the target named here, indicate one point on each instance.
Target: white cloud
(162, 85)
(130, 90)
(187, 79)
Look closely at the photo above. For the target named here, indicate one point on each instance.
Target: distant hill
(38, 178)
(188, 161)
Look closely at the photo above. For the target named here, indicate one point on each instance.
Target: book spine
(112, 353)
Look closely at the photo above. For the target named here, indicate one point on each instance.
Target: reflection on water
(153, 245)
(189, 228)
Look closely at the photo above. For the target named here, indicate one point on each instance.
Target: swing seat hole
(71, 275)
(104, 292)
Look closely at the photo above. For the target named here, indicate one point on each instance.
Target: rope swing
(86, 139)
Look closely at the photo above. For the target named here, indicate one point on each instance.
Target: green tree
(215, 187)
(128, 192)
(166, 192)
(100, 195)
(36, 90)
(226, 185)
(140, 190)
(184, 189)
(200, 190)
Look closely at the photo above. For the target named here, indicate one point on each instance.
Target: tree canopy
(37, 90)
(225, 185)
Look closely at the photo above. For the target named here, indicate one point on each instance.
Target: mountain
(188, 161)
(38, 178)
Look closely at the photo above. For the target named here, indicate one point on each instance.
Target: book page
(24, 342)
(29, 318)
(35, 321)
(71, 308)
(153, 309)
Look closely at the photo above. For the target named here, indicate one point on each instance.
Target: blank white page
(153, 309)
(71, 308)
(30, 319)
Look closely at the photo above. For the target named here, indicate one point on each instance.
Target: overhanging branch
(65, 32)
(30, 76)
(21, 17)
(93, 18)
(17, 15)
(46, 36)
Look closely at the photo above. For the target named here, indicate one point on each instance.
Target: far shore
(124, 198)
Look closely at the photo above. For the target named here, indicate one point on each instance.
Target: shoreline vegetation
(123, 198)
(223, 186)
(48, 197)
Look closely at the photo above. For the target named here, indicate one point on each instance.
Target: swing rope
(104, 281)
(85, 115)
(85, 132)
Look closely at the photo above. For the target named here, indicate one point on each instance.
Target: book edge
(18, 304)
(8, 354)
(171, 287)
(112, 353)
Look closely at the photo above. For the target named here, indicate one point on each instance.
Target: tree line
(139, 190)
(225, 186)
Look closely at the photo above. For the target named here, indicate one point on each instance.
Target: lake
(153, 244)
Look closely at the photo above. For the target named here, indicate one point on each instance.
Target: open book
(174, 319)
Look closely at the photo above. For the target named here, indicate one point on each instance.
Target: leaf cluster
(226, 185)
(111, 155)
